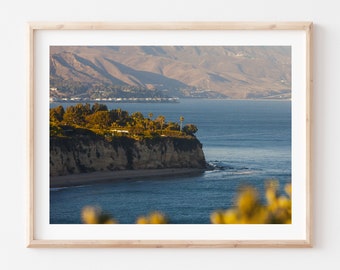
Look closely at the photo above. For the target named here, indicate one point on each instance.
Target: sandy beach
(104, 177)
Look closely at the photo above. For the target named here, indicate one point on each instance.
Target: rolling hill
(183, 71)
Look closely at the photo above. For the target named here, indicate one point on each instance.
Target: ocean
(246, 141)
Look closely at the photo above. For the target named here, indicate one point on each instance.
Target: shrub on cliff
(116, 122)
(190, 129)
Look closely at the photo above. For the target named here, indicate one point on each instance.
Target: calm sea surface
(247, 141)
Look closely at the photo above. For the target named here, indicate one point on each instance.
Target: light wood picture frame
(41, 234)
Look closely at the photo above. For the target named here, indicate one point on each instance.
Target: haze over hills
(168, 71)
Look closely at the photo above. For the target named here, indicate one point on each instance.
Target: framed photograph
(170, 134)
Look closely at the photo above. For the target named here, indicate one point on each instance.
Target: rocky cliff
(90, 154)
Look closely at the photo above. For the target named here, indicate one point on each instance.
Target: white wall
(326, 133)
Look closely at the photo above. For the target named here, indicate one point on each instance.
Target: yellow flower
(247, 200)
(288, 189)
(152, 218)
(216, 218)
(110, 221)
(271, 191)
(260, 216)
(284, 202)
(89, 215)
(157, 218)
(94, 215)
(142, 220)
(230, 217)
(270, 195)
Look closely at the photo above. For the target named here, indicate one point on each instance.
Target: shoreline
(111, 176)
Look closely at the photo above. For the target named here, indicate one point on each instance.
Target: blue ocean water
(247, 141)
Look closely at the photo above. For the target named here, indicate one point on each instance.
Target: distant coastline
(155, 100)
(117, 100)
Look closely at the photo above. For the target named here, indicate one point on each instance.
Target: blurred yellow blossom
(153, 218)
(94, 215)
(249, 210)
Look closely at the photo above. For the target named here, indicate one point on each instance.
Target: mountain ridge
(181, 71)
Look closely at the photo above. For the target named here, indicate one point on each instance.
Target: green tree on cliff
(190, 129)
(57, 114)
(161, 120)
(73, 116)
(99, 107)
(99, 120)
(181, 119)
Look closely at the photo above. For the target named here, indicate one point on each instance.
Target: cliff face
(89, 154)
